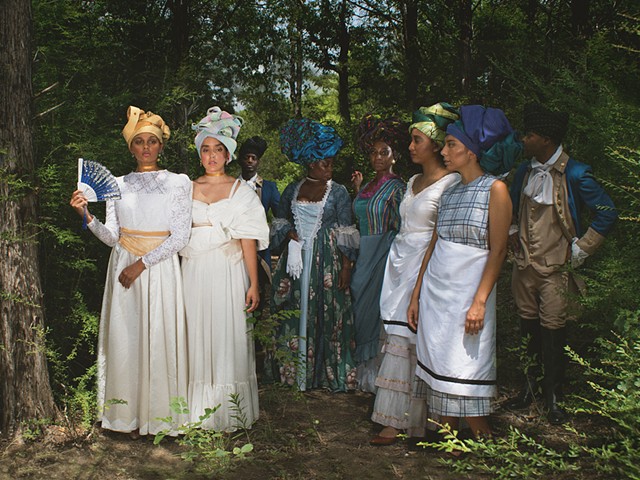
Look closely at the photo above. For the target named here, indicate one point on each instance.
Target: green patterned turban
(433, 121)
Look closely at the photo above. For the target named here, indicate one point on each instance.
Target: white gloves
(578, 256)
(294, 259)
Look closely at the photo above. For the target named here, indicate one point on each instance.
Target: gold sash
(139, 242)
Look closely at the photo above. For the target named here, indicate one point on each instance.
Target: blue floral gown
(327, 231)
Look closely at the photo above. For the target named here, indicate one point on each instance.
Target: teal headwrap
(304, 141)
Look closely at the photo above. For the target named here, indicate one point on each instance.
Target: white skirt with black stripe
(459, 368)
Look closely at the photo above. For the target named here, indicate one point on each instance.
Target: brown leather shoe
(379, 441)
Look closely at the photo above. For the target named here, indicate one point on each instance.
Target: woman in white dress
(453, 304)
(142, 363)
(220, 274)
(394, 407)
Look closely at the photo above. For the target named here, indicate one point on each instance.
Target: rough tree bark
(180, 29)
(412, 52)
(295, 67)
(344, 42)
(25, 392)
(580, 19)
(465, 25)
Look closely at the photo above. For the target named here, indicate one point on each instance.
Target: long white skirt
(222, 362)
(449, 360)
(142, 350)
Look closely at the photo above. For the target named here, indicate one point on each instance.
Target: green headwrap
(433, 121)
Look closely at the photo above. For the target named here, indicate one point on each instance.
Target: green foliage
(33, 430)
(514, 456)
(266, 331)
(93, 59)
(628, 161)
(615, 396)
(210, 451)
(80, 403)
(17, 186)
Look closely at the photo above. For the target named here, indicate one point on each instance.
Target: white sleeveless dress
(221, 347)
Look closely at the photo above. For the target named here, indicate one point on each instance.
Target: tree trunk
(465, 25)
(412, 52)
(295, 68)
(180, 29)
(344, 40)
(25, 392)
(580, 19)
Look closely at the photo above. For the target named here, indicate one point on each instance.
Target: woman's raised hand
(356, 178)
(79, 203)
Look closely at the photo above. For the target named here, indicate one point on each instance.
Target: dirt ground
(315, 435)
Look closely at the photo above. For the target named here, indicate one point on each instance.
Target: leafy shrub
(209, 450)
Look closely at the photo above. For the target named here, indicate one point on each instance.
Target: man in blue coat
(549, 193)
(249, 157)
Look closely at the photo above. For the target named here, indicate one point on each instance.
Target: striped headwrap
(433, 121)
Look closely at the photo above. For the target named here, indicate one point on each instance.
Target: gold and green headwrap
(433, 121)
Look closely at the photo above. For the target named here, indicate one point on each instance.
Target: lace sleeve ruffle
(179, 223)
(108, 232)
(348, 240)
(347, 235)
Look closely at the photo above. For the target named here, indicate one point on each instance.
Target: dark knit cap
(256, 145)
(548, 123)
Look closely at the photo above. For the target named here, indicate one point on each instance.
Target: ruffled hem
(150, 428)
(392, 409)
(398, 346)
(399, 410)
(228, 417)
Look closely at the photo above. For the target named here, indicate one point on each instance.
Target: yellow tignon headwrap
(141, 122)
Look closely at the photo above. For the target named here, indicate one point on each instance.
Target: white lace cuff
(348, 237)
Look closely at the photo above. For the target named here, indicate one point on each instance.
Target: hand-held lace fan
(97, 183)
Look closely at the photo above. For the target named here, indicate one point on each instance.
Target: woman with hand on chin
(453, 304)
(142, 363)
(220, 273)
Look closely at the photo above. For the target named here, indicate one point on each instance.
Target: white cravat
(540, 185)
(252, 182)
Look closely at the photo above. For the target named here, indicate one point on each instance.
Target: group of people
(400, 302)
(174, 329)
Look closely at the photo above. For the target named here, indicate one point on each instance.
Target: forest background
(331, 61)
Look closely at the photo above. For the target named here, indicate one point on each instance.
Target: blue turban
(304, 141)
(488, 134)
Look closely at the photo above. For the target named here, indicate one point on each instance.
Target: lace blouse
(152, 202)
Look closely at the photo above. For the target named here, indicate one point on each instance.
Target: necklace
(311, 179)
(217, 174)
(147, 168)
